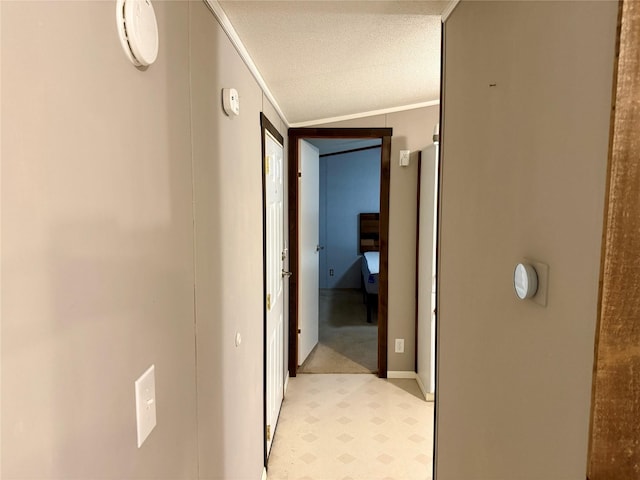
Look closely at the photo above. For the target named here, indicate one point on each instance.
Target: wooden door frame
(615, 402)
(296, 134)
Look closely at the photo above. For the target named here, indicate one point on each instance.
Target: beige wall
(524, 167)
(412, 130)
(229, 291)
(101, 166)
(97, 245)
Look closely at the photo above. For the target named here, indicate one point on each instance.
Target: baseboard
(264, 474)
(421, 385)
(401, 374)
(429, 397)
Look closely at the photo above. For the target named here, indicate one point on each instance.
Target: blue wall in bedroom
(349, 185)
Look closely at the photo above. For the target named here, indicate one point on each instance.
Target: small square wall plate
(146, 404)
(542, 269)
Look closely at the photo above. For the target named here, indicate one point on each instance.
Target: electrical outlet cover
(146, 404)
(405, 155)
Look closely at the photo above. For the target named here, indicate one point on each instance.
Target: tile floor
(352, 427)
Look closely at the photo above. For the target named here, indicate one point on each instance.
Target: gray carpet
(347, 343)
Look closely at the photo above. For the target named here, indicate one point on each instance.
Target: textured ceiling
(327, 59)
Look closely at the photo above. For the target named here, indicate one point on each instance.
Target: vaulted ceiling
(326, 60)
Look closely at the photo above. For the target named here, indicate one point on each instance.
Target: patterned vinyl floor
(352, 427)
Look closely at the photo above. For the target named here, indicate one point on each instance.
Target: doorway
(348, 183)
(297, 257)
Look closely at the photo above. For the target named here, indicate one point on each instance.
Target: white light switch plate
(146, 404)
(399, 345)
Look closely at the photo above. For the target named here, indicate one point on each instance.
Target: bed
(369, 245)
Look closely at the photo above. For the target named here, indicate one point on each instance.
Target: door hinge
(268, 433)
(268, 301)
(267, 161)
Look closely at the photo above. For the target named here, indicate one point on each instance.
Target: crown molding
(231, 33)
(371, 113)
(450, 8)
(226, 25)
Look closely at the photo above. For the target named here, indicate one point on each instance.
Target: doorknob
(286, 274)
(319, 247)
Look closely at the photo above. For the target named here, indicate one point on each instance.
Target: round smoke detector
(138, 31)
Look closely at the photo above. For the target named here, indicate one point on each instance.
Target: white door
(309, 222)
(426, 268)
(275, 255)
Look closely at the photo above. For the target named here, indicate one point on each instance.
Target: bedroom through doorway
(351, 218)
(348, 222)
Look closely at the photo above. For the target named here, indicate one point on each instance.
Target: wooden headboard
(369, 232)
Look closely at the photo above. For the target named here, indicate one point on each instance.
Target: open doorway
(307, 249)
(348, 218)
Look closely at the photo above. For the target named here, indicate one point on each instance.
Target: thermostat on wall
(525, 281)
(230, 101)
(138, 31)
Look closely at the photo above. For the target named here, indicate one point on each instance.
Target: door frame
(296, 134)
(614, 397)
(266, 125)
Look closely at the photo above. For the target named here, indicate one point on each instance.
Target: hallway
(347, 343)
(353, 427)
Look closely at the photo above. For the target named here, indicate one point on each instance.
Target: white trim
(226, 25)
(354, 116)
(401, 374)
(264, 474)
(450, 8)
(429, 397)
(286, 382)
(421, 385)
